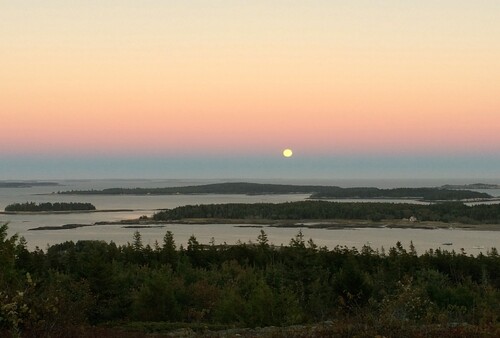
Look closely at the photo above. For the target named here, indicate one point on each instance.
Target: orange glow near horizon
(218, 79)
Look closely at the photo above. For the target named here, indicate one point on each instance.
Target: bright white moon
(287, 152)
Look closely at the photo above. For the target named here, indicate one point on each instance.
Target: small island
(62, 227)
(49, 207)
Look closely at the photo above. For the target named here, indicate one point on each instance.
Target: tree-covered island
(49, 207)
(316, 191)
(325, 210)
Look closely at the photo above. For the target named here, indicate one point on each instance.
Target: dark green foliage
(156, 300)
(352, 285)
(444, 212)
(168, 252)
(74, 285)
(47, 206)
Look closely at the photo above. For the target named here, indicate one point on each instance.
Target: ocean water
(471, 241)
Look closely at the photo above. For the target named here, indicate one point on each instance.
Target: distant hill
(316, 191)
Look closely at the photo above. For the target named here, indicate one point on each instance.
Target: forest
(442, 212)
(95, 288)
(316, 191)
(47, 206)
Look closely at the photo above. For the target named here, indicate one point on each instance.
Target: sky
(362, 88)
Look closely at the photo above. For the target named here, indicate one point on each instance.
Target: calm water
(471, 241)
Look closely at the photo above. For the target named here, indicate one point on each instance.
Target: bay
(471, 241)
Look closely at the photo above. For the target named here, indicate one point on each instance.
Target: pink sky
(230, 77)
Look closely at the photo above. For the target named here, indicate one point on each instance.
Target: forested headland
(310, 210)
(48, 206)
(94, 288)
(316, 191)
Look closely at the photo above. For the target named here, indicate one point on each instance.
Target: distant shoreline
(473, 186)
(432, 194)
(27, 184)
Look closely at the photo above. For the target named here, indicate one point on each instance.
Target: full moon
(287, 152)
